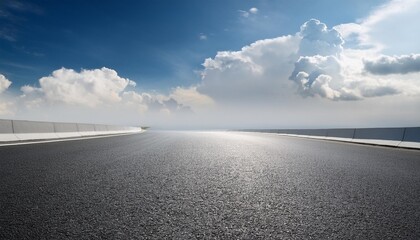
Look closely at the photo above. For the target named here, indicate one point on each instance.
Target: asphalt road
(208, 185)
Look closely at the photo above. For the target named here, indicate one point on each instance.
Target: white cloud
(378, 91)
(202, 36)
(320, 76)
(6, 105)
(393, 8)
(176, 102)
(87, 87)
(99, 92)
(317, 39)
(253, 10)
(134, 100)
(191, 97)
(385, 65)
(30, 90)
(390, 28)
(6, 108)
(255, 72)
(4, 83)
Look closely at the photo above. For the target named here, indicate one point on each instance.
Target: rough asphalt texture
(208, 185)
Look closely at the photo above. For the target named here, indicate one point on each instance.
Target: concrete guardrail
(64, 130)
(6, 131)
(379, 136)
(20, 130)
(396, 137)
(411, 138)
(340, 134)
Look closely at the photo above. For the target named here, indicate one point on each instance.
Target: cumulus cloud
(318, 71)
(310, 68)
(314, 60)
(255, 72)
(87, 87)
(4, 83)
(320, 76)
(327, 69)
(101, 91)
(385, 65)
(317, 39)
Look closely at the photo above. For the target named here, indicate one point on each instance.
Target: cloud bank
(314, 59)
(94, 95)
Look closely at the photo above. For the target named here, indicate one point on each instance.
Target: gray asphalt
(208, 185)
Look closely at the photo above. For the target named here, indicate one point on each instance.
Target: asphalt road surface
(208, 185)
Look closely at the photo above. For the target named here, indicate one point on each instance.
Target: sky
(198, 64)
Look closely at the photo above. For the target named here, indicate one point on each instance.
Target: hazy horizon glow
(309, 74)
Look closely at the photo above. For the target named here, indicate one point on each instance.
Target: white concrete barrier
(133, 129)
(314, 133)
(86, 129)
(66, 130)
(20, 130)
(307, 133)
(411, 138)
(31, 130)
(396, 137)
(101, 129)
(343, 134)
(114, 129)
(6, 131)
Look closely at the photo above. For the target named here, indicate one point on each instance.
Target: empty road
(208, 185)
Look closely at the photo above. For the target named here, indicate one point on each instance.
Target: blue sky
(157, 43)
(212, 64)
